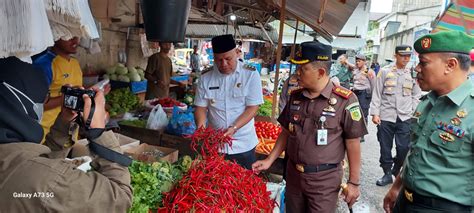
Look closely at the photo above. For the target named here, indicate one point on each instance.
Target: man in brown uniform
(31, 178)
(319, 123)
(158, 73)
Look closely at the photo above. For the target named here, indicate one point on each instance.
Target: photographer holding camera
(31, 178)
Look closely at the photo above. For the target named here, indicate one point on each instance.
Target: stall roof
(209, 31)
(335, 14)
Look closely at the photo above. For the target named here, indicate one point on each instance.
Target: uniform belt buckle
(300, 168)
(409, 196)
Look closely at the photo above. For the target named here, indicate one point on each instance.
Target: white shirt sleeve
(254, 94)
(199, 99)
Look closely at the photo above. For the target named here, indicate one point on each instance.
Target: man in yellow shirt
(59, 69)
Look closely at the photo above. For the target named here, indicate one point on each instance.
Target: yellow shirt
(62, 71)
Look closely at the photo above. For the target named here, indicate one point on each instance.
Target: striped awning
(459, 15)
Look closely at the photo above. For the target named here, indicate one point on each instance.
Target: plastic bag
(157, 119)
(181, 122)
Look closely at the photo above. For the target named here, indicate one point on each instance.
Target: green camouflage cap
(446, 41)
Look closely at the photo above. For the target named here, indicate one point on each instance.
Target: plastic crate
(138, 86)
(180, 77)
(135, 87)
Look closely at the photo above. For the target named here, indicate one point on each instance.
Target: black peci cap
(223, 43)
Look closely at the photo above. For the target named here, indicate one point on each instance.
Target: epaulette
(343, 92)
(249, 67)
(206, 70)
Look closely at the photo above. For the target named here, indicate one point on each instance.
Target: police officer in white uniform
(229, 96)
(394, 100)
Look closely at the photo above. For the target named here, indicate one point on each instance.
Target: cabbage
(132, 70)
(134, 77)
(140, 71)
(123, 78)
(113, 77)
(121, 70)
(110, 70)
(142, 76)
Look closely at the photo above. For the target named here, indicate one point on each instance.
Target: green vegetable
(110, 70)
(265, 109)
(134, 76)
(121, 101)
(113, 77)
(121, 70)
(150, 181)
(123, 78)
(137, 123)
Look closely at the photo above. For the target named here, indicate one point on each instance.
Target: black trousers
(245, 159)
(386, 131)
(427, 205)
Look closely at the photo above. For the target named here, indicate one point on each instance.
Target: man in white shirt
(228, 96)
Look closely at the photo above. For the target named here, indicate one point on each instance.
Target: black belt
(440, 203)
(314, 168)
(358, 91)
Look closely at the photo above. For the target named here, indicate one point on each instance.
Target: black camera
(73, 97)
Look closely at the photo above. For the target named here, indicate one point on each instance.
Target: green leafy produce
(113, 77)
(132, 70)
(110, 70)
(123, 78)
(137, 123)
(149, 181)
(121, 101)
(134, 76)
(188, 99)
(121, 70)
(265, 109)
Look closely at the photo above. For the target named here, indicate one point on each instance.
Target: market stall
(177, 166)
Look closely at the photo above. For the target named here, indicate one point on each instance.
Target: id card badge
(322, 137)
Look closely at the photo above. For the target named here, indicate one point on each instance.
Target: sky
(381, 6)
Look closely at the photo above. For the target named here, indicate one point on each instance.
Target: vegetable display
(121, 101)
(265, 109)
(267, 130)
(213, 184)
(119, 72)
(265, 146)
(136, 123)
(149, 181)
(167, 102)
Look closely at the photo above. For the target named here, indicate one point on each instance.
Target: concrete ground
(371, 199)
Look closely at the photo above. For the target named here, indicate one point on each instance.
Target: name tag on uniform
(213, 88)
(294, 107)
(322, 137)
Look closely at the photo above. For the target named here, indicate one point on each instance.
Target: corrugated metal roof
(335, 15)
(210, 30)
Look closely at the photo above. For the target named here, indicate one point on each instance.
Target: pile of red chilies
(216, 185)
